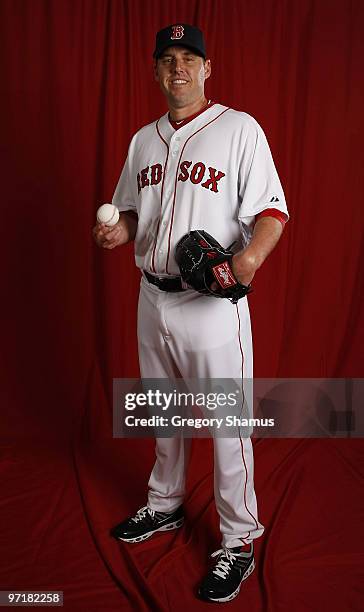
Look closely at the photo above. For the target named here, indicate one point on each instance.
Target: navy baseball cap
(182, 35)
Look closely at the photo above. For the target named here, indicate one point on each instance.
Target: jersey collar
(178, 124)
(166, 130)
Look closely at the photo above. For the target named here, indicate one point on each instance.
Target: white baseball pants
(189, 335)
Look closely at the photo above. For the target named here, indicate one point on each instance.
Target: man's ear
(207, 67)
(155, 70)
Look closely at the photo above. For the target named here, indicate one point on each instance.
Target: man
(200, 166)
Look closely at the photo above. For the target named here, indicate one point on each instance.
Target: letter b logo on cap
(177, 32)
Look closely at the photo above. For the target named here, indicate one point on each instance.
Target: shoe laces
(142, 513)
(225, 562)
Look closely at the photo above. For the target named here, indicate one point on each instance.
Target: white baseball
(108, 214)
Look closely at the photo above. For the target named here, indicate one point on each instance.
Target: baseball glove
(203, 261)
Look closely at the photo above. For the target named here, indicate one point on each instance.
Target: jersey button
(175, 152)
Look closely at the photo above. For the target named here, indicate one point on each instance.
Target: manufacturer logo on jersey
(274, 199)
(224, 275)
(177, 32)
(208, 177)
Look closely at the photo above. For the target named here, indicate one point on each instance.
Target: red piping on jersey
(162, 187)
(160, 135)
(175, 180)
(241, 441)
(273, 212)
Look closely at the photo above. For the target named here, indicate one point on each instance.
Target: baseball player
(205, 166)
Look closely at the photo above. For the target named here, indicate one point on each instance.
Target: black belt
(164, 283)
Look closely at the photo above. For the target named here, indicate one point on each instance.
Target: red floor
(59, 501)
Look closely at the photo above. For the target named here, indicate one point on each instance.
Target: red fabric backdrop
(76, 84)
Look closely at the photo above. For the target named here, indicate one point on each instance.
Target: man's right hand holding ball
(109, 236)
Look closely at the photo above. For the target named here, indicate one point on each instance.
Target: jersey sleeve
(273, 212)
(124, 197)
(260, 189)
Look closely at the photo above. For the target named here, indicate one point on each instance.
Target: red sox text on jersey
(196, 173)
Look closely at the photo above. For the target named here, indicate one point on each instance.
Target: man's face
(181, 75)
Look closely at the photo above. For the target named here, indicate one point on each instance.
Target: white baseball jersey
(215, 173)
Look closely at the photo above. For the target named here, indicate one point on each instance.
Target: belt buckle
(153, 277)
(160, 280)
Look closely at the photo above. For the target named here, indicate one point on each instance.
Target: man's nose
(178, 65)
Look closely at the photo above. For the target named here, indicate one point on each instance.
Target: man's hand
(121, 233)
(109, 237)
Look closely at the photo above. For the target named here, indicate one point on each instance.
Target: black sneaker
(145, 523)
(223, 581)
